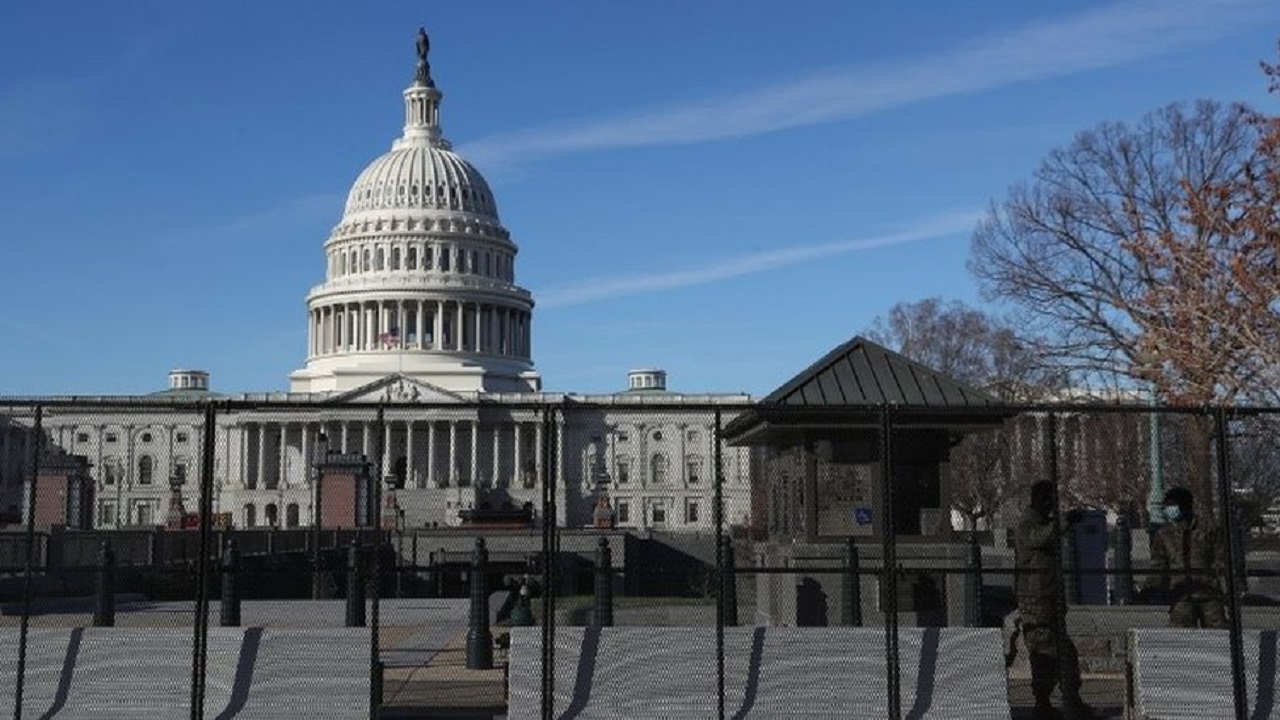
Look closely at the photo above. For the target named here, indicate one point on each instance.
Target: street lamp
(319, 454)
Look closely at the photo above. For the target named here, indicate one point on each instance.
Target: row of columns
(409, 256)
(450, 325)
(437, 442)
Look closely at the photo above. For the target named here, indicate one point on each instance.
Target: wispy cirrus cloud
(732, 267)
(1107, 37)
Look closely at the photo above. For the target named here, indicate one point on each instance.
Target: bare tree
(1060, 249)
(975, 348)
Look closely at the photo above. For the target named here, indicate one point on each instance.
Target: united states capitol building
(420, 312)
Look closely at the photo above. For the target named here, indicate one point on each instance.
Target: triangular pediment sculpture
(400, 389)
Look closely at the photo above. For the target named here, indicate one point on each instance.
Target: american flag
(390, 338)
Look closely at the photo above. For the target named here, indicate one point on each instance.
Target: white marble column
(345, 447)
(518, 469)
(458, 321)
(497, 454)
(386, 449)
(473, 470)
(365, 432)
(453, 453)
(437, 335)
(305, 445)
(421, 324)
(284, 454)
(261, 481)
(244, 456)
(431, 454)
(537, 452)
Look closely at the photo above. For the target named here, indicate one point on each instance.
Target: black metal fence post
(724, 576)
(200, 623)
(1122, 562)
(1239, 691)
(37, 435)
(355, 586)
(603, 613)
(479, 637)
(104, 609)
(889, 582)
(229, 607)
(851, 608)
(730, 585)
(973, 584)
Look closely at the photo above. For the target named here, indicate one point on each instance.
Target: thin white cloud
(283, 217)
(1111, 36)
(612, 287)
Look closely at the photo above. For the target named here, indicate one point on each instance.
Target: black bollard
(603, 615)
(355, 585)
(230, 605)
(973, 584)
(104, 611)
(851, 609)
(730, 584)
(1122, 592)
(479, 639)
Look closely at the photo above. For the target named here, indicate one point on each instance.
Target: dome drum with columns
(420, 274)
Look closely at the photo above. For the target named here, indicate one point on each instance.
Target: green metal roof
(846, 388)
(861, 372)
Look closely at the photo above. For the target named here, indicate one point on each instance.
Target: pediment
(400, 389)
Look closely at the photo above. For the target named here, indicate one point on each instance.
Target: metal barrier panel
(884, 551)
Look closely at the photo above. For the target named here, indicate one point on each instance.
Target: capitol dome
(420, 278)
(421, 176)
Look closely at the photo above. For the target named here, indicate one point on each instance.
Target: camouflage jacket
(1186, 553)
(1038, 559)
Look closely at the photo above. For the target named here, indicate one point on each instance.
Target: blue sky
(722, 189)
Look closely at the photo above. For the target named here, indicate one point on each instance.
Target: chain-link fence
(645, 558)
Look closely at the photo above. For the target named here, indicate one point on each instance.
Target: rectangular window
(623, 474)
(106, 514)
(624, 511)
(692, 436)
(82, 437)
(691, 511)
(112, 437)
(182, 437)
(659, 513)
(694, 470)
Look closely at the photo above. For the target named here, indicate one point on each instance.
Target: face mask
(1172, 513)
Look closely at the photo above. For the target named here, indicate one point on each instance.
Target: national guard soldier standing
(1190, 549)
(1042, 607)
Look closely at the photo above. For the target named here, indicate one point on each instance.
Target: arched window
(291, 515)
(271, 514)
(395, 258)
(411, 259)
(380, 259)
(250, 516)
(658, 468)
(367, 265)
(146, 469)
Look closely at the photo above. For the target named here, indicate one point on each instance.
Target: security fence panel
(467, 512)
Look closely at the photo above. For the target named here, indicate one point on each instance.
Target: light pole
(318, 456)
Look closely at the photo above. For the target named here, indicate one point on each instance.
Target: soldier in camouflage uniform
(1042, 606)
(1191, 550)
